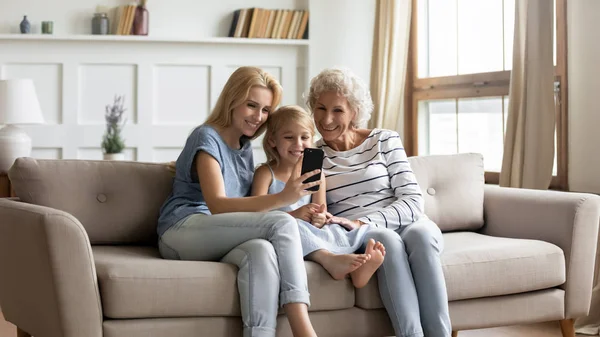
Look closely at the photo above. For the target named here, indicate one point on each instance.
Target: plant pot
(114, 156)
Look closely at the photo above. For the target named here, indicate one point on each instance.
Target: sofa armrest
(48, 285)
(568, 220)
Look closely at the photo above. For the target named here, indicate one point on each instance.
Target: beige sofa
(78, 256)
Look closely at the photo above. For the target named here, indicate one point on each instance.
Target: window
(459, 77)
(464, 125)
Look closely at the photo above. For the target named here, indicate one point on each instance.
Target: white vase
(114, 156)
(14, 143)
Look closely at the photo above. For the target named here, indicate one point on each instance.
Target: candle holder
(47, 27)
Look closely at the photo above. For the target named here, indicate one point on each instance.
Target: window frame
(485, 85)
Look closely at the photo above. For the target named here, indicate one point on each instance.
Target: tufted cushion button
(101, 198)
(431, 191)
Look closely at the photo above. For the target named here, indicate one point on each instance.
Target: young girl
(324, 238)
(210, 216)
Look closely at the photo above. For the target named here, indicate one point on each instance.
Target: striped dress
(373, 182)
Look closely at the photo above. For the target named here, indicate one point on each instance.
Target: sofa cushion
(452, 188)
(135, 282)
(477, 265)
(116, 202)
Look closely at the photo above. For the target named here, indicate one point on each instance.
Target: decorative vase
(140, 21)
(100, 24)
(25, 25)
(114, 156)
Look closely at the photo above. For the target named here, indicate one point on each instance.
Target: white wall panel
(181, 94)
(130, 153)
(46, 153)
(47, 79)
(165, 154)
(89, 153)
(95, 153)
(170, 88)
(98, 86)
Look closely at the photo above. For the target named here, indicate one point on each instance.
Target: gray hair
(346, 83)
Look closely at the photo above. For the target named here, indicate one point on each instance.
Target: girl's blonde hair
(236, 92)
(284, 116)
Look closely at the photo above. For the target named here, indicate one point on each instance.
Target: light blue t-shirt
(237, 168)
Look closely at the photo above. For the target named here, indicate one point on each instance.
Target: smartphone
(312, 160)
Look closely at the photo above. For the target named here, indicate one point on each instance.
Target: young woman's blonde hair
(281, 117)
(236, 92)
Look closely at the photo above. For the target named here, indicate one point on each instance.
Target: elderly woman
(369, 181)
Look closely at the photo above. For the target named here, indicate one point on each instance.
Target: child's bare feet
(362, 275)
(338, 266)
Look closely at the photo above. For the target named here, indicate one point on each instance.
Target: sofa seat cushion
(477, 265)
(135, 282)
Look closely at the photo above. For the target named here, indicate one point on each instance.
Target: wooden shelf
(151, 39)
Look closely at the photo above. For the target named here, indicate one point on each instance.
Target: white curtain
(529, 142)
(388, 69)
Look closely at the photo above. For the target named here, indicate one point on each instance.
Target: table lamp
(19, 105)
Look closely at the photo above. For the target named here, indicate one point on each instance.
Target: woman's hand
(305, 212)
(320, 218)
(294, 188)
(348, 224)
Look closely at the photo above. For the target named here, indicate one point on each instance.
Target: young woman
(210, 215)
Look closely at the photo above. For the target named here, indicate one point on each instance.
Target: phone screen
(312, 160)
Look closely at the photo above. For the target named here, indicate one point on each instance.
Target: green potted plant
(112, 142)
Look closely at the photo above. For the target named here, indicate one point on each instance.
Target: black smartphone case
(312, 160)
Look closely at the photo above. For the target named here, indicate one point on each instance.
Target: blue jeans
(266, 248)
(411, 279)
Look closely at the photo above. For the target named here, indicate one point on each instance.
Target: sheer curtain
(529, 143)
(388, 69)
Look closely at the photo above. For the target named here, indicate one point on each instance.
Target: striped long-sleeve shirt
(373, 182)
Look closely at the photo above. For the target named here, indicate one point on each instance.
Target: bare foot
(338, 266)
(362, 275)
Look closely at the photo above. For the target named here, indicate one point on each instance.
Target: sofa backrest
(452, 186)
(119, 202)
(116, 202)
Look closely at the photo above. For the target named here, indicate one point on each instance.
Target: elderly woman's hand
(346, 223)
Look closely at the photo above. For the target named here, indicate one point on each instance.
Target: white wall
(583, 26)
(77, 78)
(341, 31)
(341, 34)
(170, 87)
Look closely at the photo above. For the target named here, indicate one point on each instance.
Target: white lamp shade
(19, 103)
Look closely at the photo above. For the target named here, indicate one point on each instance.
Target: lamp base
(14, 143)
